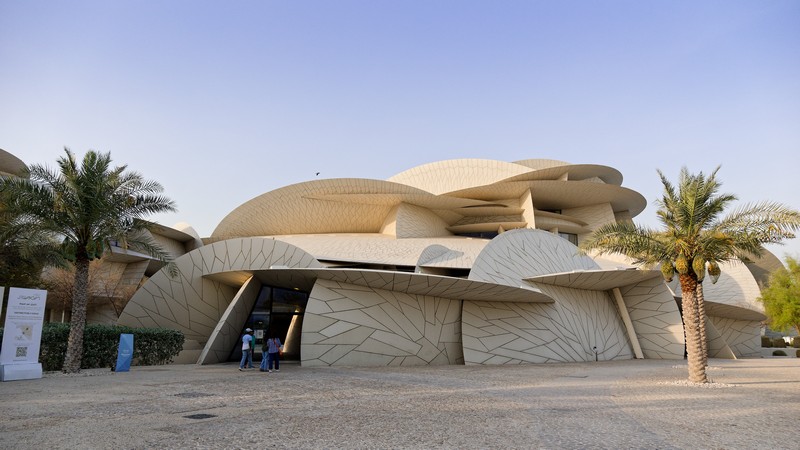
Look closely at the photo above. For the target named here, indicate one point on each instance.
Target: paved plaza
(621, 404)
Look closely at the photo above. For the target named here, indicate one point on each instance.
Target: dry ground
(621, 404)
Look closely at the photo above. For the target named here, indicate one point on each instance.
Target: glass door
(277, 312)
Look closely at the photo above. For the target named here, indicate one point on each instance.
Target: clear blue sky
(223, 101)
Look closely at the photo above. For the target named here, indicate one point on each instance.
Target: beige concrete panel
(762, 267)
(315, 323)
(346, 205)
(564, 331)
(540, 164)
(407, 345)
(595, 216)
(656, 318)
(736, 286)
(452, 175)
(390, 318)
(416, 222)
(363, 359)
(133, 274)
(389, 226)
(203, 299)
(174, 247)
(11, 165)
(380, 332)
(548, 169)
(513, 256)
(358, 317)
(528, 211)
(558, 194)
(350, 337)
(229, 328)
(314, 352)
(336, 328)
(439, 257)
(381, 348)
(742, 336)
(717, 347)
(333, 355)
(384, 249)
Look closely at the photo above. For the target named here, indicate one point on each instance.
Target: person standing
(273, 351)
(247, 347)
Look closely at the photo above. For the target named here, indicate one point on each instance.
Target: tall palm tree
(86, 206)
(694, 240)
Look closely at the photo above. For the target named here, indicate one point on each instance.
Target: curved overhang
(409, 283)
(596, 280)
(573, 172)
(383, 249)
(11, 165)
(341, 205)
(563, 223)
(455, 174)
(732, 312)
(763, 266)
(541, 163)
(171, 233)
(552, 194)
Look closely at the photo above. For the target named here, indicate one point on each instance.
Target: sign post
(125, 353)
(22, 335)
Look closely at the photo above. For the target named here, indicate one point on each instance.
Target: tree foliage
(694, 239)
(89, 205)
(24, 250)
(781, 297)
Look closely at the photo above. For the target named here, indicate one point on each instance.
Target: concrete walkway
(623, 404)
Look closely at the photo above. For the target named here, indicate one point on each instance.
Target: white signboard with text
(22, 335)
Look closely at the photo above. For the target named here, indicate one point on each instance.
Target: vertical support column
(227, 331)
(626, 318)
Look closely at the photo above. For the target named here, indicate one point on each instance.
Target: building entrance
(277, 312)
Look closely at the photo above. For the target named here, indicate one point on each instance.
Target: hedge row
(151, 346)
(779, 342)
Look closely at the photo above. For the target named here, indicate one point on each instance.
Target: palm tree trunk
(697, 369)
(72, 361)
(701, 325)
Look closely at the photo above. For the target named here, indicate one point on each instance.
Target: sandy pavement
(619, 404)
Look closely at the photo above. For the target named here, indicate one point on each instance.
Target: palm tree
(86, 206)
(24, 252)
(694, 240)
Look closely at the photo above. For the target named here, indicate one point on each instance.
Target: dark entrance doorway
(277, 312)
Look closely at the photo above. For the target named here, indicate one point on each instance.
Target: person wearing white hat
(247, 350)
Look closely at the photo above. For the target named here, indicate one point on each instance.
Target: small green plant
(779, 353)
(766, 341)
(797, 353)
(779, 343)
(796, 342)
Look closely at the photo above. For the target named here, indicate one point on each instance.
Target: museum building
(464, 261)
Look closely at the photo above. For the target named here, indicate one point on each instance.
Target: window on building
(570, 237)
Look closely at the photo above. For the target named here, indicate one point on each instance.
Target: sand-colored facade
(456, 262)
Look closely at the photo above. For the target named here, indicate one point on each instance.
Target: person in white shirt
(247, 350)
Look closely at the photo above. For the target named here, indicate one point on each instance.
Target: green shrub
(151, 346)
(779, 343)
(766, 341)
(796, 342)
(779, 353)
(797, 353)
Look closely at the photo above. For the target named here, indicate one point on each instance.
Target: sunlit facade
(455, 262)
